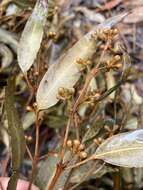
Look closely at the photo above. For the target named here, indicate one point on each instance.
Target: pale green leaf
(65, 73)
(125, 149)
(32, 36)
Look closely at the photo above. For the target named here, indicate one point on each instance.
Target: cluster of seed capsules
(77, 148)
(65, 93)
(107, 35)
(104, 34)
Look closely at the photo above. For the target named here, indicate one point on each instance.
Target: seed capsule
(28, 138)
(115, 31)
(83, 155)
(117, 57)
(76, 143)
(28, 108)
(69, 143)
(61, 90)
(81, 147)
(52, 34)
(35, 105)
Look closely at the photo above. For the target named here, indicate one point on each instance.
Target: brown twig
(29, 153)
(54, 154)
(65, 140)
(59, 170)
(31, 88)
(60, 165)
(89, 77)
(91, 170)
(36, 154)
(80, 163)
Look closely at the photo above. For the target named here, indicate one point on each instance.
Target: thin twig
(77, 127)
(89, 77)
(80, 163)
(83, 93)
(29, 153)
(31, 88)
(88, 174)
(65, 139)
(36, 154)
(58, 172)
(60, 165)
(54, 154)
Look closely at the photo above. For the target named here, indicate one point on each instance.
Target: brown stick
(58, 172)
(36, 154)
(60, 165)
(65, 140)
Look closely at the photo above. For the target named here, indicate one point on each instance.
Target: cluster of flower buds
(52, 35)
(92, 96)
(114, 63)
(65, 93)
(105, 34)
(77, 148)
(82, 64)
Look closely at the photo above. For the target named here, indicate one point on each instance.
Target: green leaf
(66, 72)
(16, 133)
(125, 149)
(32, 36)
